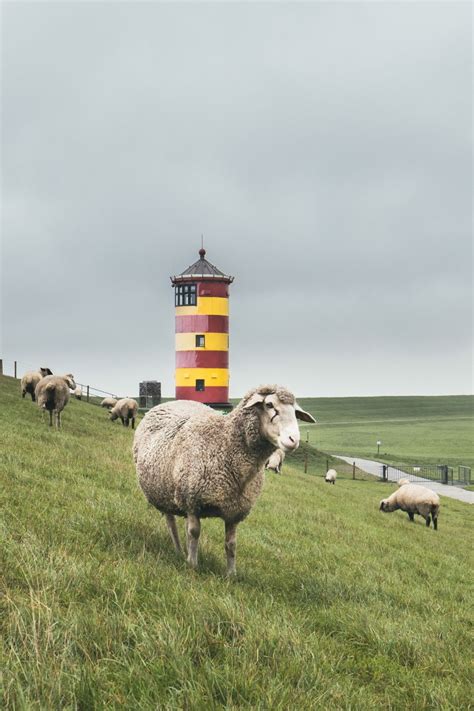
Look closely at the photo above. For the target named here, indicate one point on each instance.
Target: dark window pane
(200, 341)
(200, 385)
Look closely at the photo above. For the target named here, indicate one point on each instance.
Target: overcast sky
(324, 151)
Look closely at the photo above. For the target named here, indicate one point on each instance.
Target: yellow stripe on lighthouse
(212, 376)
(206, 306)
(213, 342)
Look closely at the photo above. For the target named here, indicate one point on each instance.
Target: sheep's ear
(302, 414)
(255, 399)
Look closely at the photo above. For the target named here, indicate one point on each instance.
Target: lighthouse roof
(202, 270)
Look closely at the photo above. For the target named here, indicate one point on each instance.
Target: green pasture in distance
(411, 429)
(335, 604)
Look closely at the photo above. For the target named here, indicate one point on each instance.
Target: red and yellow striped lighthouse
(202, 333)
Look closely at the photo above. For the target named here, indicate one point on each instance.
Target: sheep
(414, 499)
(331, 476)
(31, 379)
(196, 463)
(52, 394)
(108, 402)
(402, 482)
(275, 461)
(126, 409)
(78, 393)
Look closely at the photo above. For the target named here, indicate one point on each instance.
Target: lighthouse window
(200, 341)
(185, 295)
(200, 386)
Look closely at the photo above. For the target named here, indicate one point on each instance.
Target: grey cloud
(323, 150)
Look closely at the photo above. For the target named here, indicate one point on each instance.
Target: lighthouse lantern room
(202, 333)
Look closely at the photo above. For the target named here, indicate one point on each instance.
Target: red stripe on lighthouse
(202, 359)
(209, 395)
(202, 324)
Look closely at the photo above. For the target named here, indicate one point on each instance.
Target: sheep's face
(113, 416)
(278, 418)
(69, 378)
(385, 506)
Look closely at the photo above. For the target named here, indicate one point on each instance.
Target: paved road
(371, 467)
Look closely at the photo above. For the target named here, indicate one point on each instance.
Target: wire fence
(88, 393)
(442, 473)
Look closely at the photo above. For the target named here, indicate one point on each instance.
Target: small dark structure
(150, 393)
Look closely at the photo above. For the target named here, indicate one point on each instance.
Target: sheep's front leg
(230, 546)
(173, 529)
(193, 530)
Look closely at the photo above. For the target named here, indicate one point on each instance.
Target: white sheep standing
(414, 499)
(275, 461)
(194, 462)
(31, 379)
(109, 402)
(331, 476)
(126, 409)
(52, 394)
(78, 393)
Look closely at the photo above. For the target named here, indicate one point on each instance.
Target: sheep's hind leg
(193, 530)
(230, 546)
(411, 516)
(428, 521)
(173, 529)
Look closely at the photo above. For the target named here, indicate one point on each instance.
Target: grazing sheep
(414, 499)
(275, 461)
(31, 379)
(194, 462)
(331, 476)
(108, 402)
(78, 393)
(126, 409)
(402, 482)
(52, 394)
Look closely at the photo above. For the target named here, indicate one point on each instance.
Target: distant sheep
(192, 461)
(126, 409)
(78, 393)
(402, 482)
(108, 402)
(331, 476)
(31, 379)
(52, 394)
(414, 499)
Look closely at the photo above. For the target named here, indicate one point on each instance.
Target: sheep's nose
(290, 442)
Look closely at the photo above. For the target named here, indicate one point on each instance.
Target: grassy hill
(335, 604)
(412, 429)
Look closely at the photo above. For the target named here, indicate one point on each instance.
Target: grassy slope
(335, 606)
(412, 429)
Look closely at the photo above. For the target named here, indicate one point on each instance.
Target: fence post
(384, 472)
(87, 396)
(14, 368)
(353, 470)
(306, 461)
(1, 366)
(445, 474)
(327, 464)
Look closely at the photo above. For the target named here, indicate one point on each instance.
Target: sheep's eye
(269, 405)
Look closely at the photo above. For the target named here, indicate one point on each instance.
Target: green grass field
(335, 605)
(413, 430)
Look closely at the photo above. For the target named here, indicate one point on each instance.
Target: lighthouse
(202, 333)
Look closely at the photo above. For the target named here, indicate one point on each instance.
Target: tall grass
(335, 604)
